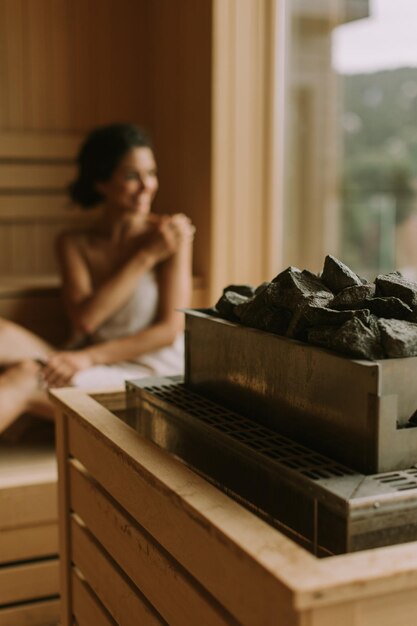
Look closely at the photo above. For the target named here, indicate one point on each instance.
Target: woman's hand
(169, 234)
(62, 366)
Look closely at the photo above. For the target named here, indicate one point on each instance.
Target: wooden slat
(24, 176)
(391, 609)
(4, 95)
(30, 504)
(26, 464)
(31, 614)
(59, 83)
(143, 561)
(28, 581)
(40, 207)
(38, 145)
(65, 575)
(36, 62)
(191, 524)
(26, 543)
(112, 401)
(47, 285)
(87, 610)
(120, 597)
(14, 47)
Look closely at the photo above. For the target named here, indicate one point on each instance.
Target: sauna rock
(336, 310)
(337, 276)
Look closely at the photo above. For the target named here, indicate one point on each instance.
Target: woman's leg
(20, 393)
(19, 378)
(17, 343)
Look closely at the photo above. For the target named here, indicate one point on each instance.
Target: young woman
(123, 281)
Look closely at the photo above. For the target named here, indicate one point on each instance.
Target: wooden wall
(69, 65)
(245, 171)
(179, 109)
(200, 74)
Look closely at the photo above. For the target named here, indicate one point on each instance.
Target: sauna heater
(322, 447)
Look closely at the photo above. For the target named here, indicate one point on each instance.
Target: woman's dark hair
(100, 154)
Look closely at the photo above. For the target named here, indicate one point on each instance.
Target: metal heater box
(355, 411)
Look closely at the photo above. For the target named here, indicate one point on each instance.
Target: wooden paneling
(28, 542)
(179, 112)
(35, 170)
(39, 146)
(33, 614)
(107, 580)
(28, 581)
(195, 73)
(28, 491)
(68, 66)
(35, 177)
(87, 609)
(143, 479)
(139, 557)
(241, 195)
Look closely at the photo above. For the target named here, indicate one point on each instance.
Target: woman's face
(133, 184)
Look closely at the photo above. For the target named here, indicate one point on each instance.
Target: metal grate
(399, 481)
(322, 504)
(262, 440)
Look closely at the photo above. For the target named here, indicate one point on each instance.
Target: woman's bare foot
(19, 383)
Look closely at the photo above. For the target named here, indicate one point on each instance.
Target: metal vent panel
(264, 441)
(327, 506)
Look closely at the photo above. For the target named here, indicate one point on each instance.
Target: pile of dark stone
(336, 310)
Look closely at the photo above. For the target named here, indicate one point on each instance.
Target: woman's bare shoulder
(78, 238)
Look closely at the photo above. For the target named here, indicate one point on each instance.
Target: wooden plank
(179, 47)
(87, 610)
(26, 505)
(199, 526)
(115, 401)
(26, 543)
(37, 63)
(35, 208)
(25, 464)
(60, 81)
(47, 285)
(32, 176)
(391, 609)
(387, 610)
(150, 569)
(28, 485)
(4, 91)
(120, 597)
(28, 581)
(61, 430)
(39, 145)
(31, 614)
(15, 53)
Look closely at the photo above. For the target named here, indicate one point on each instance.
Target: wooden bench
(29, 581)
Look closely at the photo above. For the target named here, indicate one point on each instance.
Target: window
(351, 134)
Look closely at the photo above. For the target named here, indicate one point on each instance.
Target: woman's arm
(89, 308)
(175, 285)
